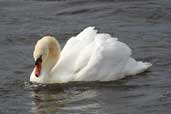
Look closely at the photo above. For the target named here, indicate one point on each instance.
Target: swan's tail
(133, 67)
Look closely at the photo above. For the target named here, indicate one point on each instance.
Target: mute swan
(89, 56)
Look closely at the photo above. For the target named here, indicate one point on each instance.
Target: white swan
(89, 56)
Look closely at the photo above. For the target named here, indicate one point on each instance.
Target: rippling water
(145, 25)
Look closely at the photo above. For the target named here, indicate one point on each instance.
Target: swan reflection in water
(54, 98)
(47, 100)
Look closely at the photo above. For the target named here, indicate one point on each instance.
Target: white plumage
(92, 56)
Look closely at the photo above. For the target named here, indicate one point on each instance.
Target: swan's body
(89, 56)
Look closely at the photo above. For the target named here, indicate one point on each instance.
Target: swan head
(45, 54)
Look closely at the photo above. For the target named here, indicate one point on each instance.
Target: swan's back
(91, 56)
(107, 60)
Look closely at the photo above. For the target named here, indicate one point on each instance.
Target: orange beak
(38, 67)
(38, 70)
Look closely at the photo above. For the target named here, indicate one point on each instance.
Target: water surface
(143, 24)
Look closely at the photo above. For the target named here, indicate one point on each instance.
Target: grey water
(145, 25)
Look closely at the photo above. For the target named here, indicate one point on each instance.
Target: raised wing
(107, 56)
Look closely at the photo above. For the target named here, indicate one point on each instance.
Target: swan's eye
(39, 60)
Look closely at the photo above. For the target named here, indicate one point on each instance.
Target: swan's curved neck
(51, 57)
(48, 49)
